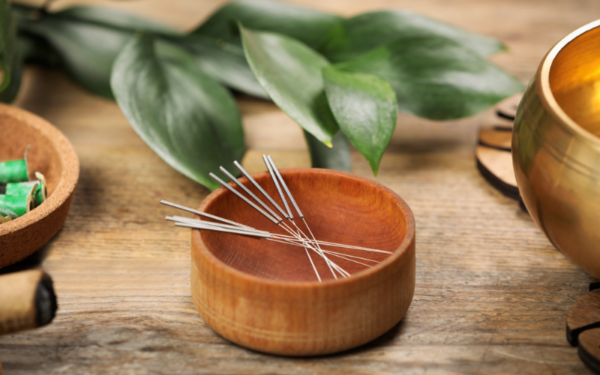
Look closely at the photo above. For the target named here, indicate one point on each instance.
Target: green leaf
(306, 25)
(336, 157)
(290, 73)
(436, 78)
(217, 42)
(88, 40)
(13, 74)
(365, 108)
(116, 19)
(11, 63)
(226, 64)
(360, 34)
(188, 119)
(87, 50)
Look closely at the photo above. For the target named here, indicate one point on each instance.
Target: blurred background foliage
(343, 80)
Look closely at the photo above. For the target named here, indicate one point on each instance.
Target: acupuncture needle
(211, 226)
(273, 171)
(226, 226)
(306, 224)
(340, 255)
(194, 223)
(268, 160)
(258, 200)
(225, 185)
(197, 224)
(217, 229)
(291, 217)
(251, 194)
(244, 227)
(262, 191)
(200, 213)
(279, 219)
(207, 224)
(274, 177)
(238, 226)
(290, 239)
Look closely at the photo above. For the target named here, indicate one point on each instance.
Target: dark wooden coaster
(583, 327)
(496, 167)
(493, 153)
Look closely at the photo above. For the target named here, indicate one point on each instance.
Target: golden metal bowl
(556, 147)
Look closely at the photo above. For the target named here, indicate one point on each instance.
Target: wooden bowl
(51, 154)
(556, 147)
(265, 295)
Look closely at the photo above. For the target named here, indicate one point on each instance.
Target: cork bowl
(265, 295)
(51, 154)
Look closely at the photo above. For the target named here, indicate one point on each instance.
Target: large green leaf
(13, 73)
(360, 34)
(116, 19)
(336, 157)
(365, 108)
(436, 78)
(225, 63)
(188, 119)
(87, 50)
(10, 61)
(88, 40)
(290, 72)
(217, 43)
(306, 25)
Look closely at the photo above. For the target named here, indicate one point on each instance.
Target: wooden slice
(493, 154)
(496, 167)
(498, 138)
(583, 327)
(507, 109)
(589, 349)
(584, 314)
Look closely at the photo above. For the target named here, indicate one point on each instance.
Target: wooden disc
(583, 327)
(507, 109)
(498, 138)
(493, 153)
(497, 168)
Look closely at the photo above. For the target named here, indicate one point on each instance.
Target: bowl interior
(575, 80)
(337, 207)
(16, 135)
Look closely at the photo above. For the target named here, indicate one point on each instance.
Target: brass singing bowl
(556, 147)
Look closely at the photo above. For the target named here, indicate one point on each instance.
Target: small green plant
(340, 79)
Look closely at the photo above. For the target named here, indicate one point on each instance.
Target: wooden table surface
(492, 294)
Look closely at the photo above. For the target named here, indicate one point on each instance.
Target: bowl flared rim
(546, 95)
(69, 176)
(399, 254)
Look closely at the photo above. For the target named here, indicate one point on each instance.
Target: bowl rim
(69, 175)
(400, 252)
(543, 84)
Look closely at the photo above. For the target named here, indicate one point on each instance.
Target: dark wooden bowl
(265, 295)
(51, 154)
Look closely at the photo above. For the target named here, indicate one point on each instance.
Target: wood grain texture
(491, 296)
(265, 295)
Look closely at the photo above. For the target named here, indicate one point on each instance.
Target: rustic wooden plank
(492, 294)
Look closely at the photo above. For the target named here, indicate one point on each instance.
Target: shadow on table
(381, 341)
(33, 261)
